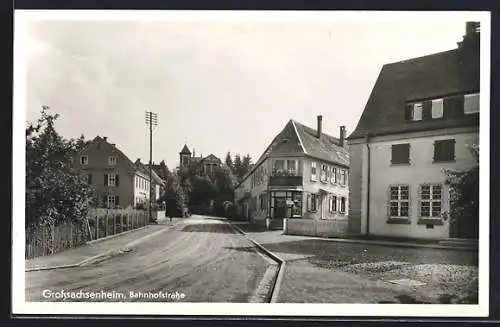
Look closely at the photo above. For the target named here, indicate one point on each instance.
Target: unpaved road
(201, 258)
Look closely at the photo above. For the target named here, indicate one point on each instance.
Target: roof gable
(325, 148)
(185, 150)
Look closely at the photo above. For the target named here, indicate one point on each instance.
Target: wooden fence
(46, 240)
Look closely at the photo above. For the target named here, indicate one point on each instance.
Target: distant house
(303, 175)
(157, 182)
(200, 165)
(420, 118)
(118, 181)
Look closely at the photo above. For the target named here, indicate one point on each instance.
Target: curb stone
(109, 254)
(281, 264)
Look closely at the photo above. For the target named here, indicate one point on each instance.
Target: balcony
(285, 180)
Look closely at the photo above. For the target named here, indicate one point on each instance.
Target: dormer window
(471, 103)
(437, 108)
(414, 111)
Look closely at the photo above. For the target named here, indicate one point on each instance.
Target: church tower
(185, 156)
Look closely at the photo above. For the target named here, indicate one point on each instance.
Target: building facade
(117, 180)
(420, 120)
(303, 174)
(200, 165)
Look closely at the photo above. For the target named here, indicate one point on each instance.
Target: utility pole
(151, 120)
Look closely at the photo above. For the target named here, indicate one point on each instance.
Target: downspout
(368, 187)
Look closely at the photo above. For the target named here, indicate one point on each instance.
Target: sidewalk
(264, 235)
(359, 271)
(74, 257)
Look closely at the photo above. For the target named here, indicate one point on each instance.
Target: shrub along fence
(50, 239)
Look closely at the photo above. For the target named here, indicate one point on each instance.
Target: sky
(216, 85)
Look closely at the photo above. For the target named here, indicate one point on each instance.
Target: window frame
(399, 201)
(471, 95)
(434, 101)
(112, 184)
(324, 173)
(437, 158)
(430, 201)
(111, 162)
(333, 175)
(84, 162)
(282, 161)
(109, 201)
(393, 147)
(314, 176)
(414, 106)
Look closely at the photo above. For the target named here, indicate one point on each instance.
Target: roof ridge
(323, 133)
(405, 61)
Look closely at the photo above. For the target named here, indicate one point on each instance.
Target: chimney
(194, 153)
(342, 136)
(471, 37)
(113, 144)
(319, 129)
(105, 138)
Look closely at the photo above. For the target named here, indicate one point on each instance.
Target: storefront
(285, 204)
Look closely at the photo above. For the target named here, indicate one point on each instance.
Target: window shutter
(105, 200)
(117, 180)
(427, 110)
(453, 106)
(117, 200)
(90, 179)
(408, 111)
(436, 151)
(105, 179)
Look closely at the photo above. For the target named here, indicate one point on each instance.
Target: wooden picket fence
(50, 239)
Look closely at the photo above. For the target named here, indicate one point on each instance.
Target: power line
(151, 120)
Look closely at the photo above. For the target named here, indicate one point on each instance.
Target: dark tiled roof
(437, 75)
(211, 157)
(327, 148)
(185, 150)
(145, 170)
(290, 140)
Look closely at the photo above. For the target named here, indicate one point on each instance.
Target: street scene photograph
(251, 159)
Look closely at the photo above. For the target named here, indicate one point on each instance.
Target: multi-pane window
(311, 202)
(324, 173)
(399, 201)
(343, 177)
(342, 204)
(437, 108)
(291, 167)
(111, 160)
(84, 160)
(471, 103)
(111, 179)
(333, 203)
(279, 165)
(400, 153)
(314, 175)
(430, 200)
(111, 201)
(333, 176)
(444, 150)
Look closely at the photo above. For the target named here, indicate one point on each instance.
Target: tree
(246, 164)
(229, 160)
(237, 166)
(174, 196)
(55, 192)
(464, 199)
